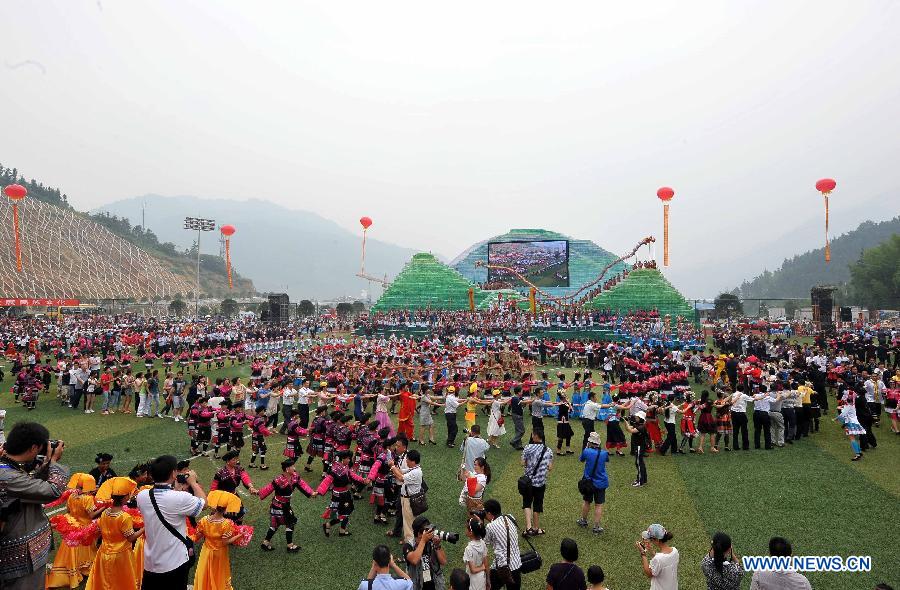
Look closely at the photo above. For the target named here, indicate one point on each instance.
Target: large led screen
(543, 263)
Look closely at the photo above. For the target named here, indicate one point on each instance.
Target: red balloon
(826, 185)
(15, 191)
(665, 193)
(227, 230)
(365, 222)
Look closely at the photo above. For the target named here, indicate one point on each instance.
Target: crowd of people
(336, 399)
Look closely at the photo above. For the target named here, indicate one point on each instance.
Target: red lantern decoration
(16, 192)
(228, 231)
(665, 195)
(366, 223)
(825, 186)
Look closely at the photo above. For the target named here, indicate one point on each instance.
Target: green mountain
(182, 263)
(644, 288)
(797, 275)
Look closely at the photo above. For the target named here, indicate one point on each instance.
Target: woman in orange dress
(113, 567)
(213, 565)
(73, 562)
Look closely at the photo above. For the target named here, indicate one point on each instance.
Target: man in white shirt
(409, 475)
(739, 401)
(451, 405)
(786, 580)
(166, 560)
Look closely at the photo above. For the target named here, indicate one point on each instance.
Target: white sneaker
(138, 415)
(87, 411)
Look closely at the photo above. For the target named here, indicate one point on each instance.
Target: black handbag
(188, 544)
(586, 484)
(418, 502)
(531, 560)
(525, 480)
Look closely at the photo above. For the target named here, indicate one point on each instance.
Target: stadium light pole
(199, 225)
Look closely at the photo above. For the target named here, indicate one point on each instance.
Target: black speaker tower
(279, 308)
(823, 306)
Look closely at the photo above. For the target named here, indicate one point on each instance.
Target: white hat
(641, 415)
(594, 439)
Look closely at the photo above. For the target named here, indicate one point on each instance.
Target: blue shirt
(262, 397)
(386, 582)
(599, 458)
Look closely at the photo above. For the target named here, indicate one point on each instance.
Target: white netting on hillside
(66, 255)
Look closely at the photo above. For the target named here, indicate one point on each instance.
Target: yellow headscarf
(222, 499)
(85, 481)
(116, 486)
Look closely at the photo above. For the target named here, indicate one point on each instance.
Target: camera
(53, 444)
(479, 514)
(181, 478)
(444, 535)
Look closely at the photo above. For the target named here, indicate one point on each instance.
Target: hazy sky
(450, 122)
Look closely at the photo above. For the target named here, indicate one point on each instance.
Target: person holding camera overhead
(662, 568)
(30, 476)
(425, 556)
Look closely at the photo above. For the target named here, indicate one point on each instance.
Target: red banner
(31, 302)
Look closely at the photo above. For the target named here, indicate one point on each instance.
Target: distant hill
(105, 256)
(294, 251)
(797, 275)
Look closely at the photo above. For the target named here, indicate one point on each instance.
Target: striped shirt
(531, 454)
(496, 536)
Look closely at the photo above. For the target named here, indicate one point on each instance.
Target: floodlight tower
(199, 225)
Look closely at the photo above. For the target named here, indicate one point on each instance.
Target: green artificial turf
(809, 492)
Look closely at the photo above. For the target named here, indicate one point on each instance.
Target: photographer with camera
(168, 553)
(637, 426)
(425, 556)
(30, 476)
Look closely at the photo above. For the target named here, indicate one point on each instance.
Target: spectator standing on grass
(380, 572)
(566, 575)
(720, 566)
(662, 568)
(595, 460)
(473, 446)
(782, 580)
(425, 557)
(502, 534)
(475, 554)
(166, 560)
(537, 461)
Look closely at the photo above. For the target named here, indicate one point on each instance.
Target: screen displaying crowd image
(543, 263)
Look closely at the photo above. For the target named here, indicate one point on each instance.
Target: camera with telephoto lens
(443, 535)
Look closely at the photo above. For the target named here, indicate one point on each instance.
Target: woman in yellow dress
(471, 406)
(113, 567)
(72, 564)
(213, 565)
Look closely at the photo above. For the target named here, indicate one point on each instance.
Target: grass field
(810, 493)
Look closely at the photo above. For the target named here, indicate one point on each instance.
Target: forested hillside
(213, 275)
(797, 275)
